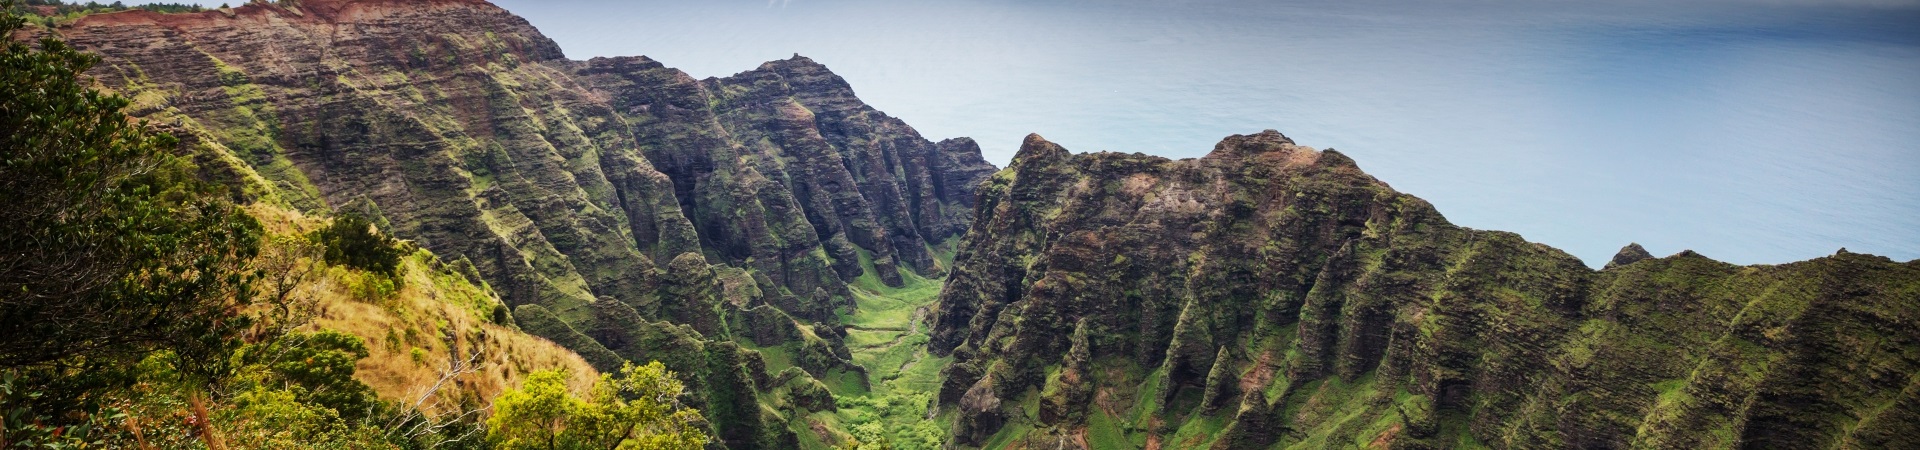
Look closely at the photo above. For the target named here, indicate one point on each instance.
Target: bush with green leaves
(638, 409)
(351, 241)
(316, 368)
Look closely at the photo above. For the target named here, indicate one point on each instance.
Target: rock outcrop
(1345, 313)
(1630, 254)
(601, 198)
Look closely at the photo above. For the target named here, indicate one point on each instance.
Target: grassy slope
(411, 329)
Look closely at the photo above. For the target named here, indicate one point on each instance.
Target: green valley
(420, 224)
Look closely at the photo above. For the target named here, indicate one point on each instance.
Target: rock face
(775, 163)
(1630, 254)
(1269, 293)
(597, 196)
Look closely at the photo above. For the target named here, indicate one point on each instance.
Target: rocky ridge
(1271, 295)
(626, 210)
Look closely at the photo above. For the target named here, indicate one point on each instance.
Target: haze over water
(1752, 132)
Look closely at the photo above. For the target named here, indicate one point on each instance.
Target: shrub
(351, 241)
(639, 409)
(317, 367)
(367, 287)
(500, 316)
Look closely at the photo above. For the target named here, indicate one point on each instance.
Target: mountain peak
(1265, 144)
(797, 62)
(1248, 144)
(1630, 254)
(1039, 148)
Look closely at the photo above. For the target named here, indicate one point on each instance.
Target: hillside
(622, 208)
(430, 332)
(1271, 295)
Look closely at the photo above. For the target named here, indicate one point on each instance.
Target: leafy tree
(267, 418)
(317, 368)
(351, 241)
(287, 265)
(109, 248)
(640, 409)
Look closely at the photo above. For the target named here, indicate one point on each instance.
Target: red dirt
(1385, 440)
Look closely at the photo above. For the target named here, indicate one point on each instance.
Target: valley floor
(887, 334)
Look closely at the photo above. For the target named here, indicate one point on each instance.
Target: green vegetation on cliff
(1270, 295)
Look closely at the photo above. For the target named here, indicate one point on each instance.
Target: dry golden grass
(431, 323)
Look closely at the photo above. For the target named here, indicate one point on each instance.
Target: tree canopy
(639, 409)
(352, 241)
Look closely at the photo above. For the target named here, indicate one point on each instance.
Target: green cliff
(1270, 295)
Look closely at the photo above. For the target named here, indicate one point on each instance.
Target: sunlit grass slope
(430, 329)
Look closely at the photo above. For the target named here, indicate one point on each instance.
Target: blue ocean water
(1750, 131)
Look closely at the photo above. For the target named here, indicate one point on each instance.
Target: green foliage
(888, 344)
(296, 392)
(638, 409)
(315, 368)
(499, 315)
(368, 287)
(109, 248)
(267, 418)
(897, 420)
(63, 8)
(351, 241)
(21, 424)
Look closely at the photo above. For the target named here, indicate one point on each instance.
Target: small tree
(287, 265)
(638, 409)
(352, 241)
(317, 367)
